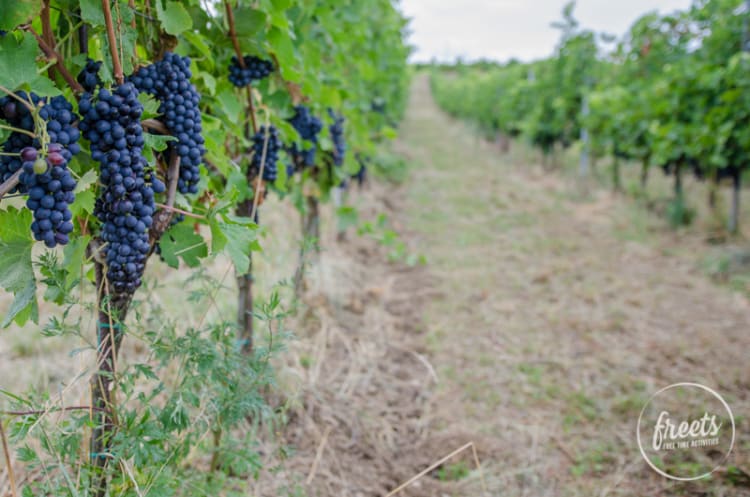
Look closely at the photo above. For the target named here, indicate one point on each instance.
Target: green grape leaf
(238, 240)
(84, 203)
(282, 46)
(15, 57)
(199, 42)
(75, 258)
(230, 104)
(157, 142)
(238, 181)
(182, 241)
(281, 5)
(150, 105)
(16, 272)
(249, 21)
(42, 86)
(389, 133)
(16, 12)
(209, 80)
(85, 181)
(91, 12)
(174, 18)
(24, 306)
(280, 20)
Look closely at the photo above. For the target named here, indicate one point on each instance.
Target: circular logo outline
(685, 384)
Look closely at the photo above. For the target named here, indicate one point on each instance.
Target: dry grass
(557, 326)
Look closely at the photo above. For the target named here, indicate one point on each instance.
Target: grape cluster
(337, 137)
(255, 70)
(272, 153)
(169, 81)
(46, 179)
(89, 76)
(361, 175)
(111, 122)
(50, 186)
(308, 126)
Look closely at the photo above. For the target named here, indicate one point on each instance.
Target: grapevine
(155, 124)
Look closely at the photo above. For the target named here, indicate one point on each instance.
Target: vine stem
(233, 33)
(131, 4)
(47, 33)
(6, 452)
(245, 281)
(163, 218)
(10, 183)
(251, 109)
(23, 102)
(116, 65)
(155, 125)
(241, 60)
(259, 189)
(51, 55)
(18, 130)
(113, 307)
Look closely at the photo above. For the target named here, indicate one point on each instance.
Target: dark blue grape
(272, 150)
(126, 178)
(361, 175)
(255, 70)
(50, 188)
(169, 81)
(89, 76)
(337, 137)
(308, 126)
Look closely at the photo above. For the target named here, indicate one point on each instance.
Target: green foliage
(194, 384)
(673, 92)
(454, 472)
(16, 273)
(349, 57)
(325, 55)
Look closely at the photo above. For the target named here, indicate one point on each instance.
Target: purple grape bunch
(169, 81)
(308, 126)
(337, 137)
(45, 175)
(255, 70)
(89, 76)
(112, 123)
(270, 170)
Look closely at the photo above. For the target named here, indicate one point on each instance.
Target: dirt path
(537, 330)
(552, 328)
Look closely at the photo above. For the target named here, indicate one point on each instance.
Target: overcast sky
(503, 29)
